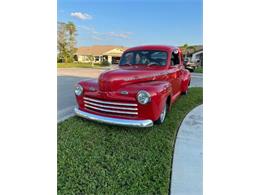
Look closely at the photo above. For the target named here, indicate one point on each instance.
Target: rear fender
(186, 78)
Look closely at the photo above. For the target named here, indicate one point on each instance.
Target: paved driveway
(188, 154)
(66, 83)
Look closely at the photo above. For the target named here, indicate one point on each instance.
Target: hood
(115, 79)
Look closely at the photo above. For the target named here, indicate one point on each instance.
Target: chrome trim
(147, 93)
(107, 102)
(114, 121)
(78, 87)
(112, 111)
(113, 107)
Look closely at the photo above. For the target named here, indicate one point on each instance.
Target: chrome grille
(111, 107)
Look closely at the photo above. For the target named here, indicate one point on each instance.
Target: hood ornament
(124, 92)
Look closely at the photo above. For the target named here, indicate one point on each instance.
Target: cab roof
(153, 47)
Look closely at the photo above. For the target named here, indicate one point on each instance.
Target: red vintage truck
(140, 92)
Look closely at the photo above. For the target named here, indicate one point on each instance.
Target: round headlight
(143, 97)
(78, 90)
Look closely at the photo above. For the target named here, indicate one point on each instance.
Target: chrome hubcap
(163, 113)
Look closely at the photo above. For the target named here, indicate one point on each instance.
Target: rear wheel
(162, 116)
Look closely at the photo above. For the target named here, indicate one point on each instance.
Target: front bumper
(114, 121)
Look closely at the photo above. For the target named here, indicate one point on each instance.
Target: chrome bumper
(114, 121)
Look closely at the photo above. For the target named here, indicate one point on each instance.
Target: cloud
(81, 16)
(91, 30)
(101, 36)
(120, 35)
(96, 38)
(87, 28)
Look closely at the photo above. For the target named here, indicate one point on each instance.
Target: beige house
(110, 53)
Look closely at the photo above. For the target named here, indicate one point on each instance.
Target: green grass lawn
(199, 69)
(100, 159)
(78, 65)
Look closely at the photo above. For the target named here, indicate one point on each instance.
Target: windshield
(144, 57)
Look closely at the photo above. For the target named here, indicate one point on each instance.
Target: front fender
(159, 90)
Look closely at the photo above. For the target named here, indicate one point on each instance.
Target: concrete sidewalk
(188, 156)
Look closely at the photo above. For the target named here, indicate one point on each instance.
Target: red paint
(162, 82)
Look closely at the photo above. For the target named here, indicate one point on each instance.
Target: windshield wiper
(153, 64)
(126, 64)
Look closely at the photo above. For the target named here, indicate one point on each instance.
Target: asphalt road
(66, 98)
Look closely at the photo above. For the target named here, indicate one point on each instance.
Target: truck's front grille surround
(105, 106)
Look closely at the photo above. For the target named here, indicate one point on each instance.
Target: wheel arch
(169, 102)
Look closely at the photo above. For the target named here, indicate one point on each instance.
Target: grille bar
(110, 103)
(105, 106)
(112, 111)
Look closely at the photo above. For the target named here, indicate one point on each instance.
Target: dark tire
(185, 92)
(163, 114)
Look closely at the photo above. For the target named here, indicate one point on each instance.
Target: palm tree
(62, 42)
(71, 28)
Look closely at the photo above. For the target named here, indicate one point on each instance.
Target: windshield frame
(144, 50)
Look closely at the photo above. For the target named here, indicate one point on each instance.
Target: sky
(134, 22)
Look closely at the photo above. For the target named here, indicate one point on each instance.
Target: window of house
(85, 58)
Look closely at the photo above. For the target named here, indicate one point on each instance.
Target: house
(100, 53)
(195, 54)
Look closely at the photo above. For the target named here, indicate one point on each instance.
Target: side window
(175, 59)
(127, 58)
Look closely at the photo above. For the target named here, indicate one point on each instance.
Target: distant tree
(91, 58)
(185, 46)
(187, 50)
(62, 42)
(105, 63)
(71, 29)
(190, 50)
(66, 42)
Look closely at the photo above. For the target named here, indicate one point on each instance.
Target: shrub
(105, 63)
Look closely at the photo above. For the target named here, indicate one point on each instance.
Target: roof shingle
(97, 50)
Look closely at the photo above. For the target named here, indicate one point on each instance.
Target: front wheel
(162, 117)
